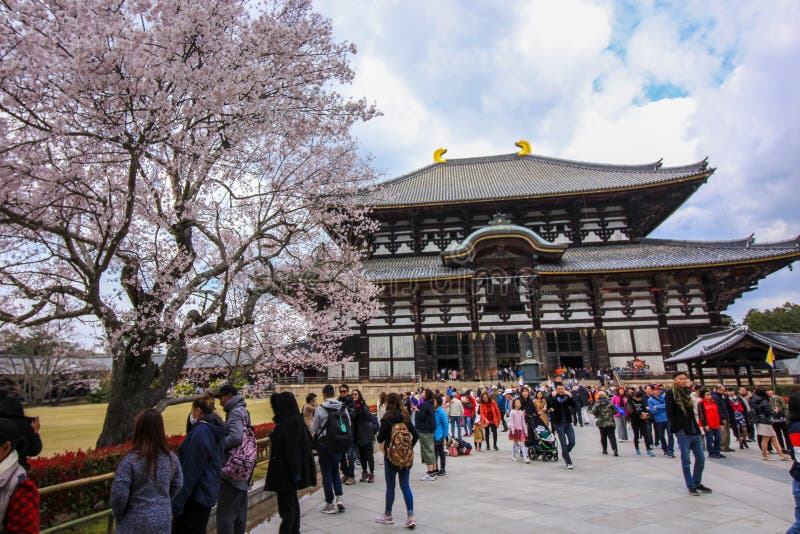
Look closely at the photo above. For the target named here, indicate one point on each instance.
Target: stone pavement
(603, 494)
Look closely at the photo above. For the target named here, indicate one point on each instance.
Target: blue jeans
(455, 422)
(468, 424)
(665, 437)
(795, 528)
(713, 441)
(391, 471)
(693, 444)
(566, 435)
(329, 465)
(348, 461)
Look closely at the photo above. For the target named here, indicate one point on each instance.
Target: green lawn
(68, 428)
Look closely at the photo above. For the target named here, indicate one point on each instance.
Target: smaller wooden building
(735, 353)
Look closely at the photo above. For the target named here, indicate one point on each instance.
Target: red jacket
(490, 412)
(22, 514)
(709, 414)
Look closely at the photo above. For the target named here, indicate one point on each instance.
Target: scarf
(682, 399)
(10, 474)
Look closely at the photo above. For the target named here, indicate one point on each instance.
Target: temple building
(494, 260)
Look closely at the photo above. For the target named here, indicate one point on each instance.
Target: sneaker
(702, 489)
(693, 492)
(514, 457)
(371, 478)
(410, 523)
(570, 466)
(651, 453)
(363, 477)
(616, 453)
(527, 460)
(441, 473)
(495, 448)
(329, 509)
(340, 504)
(605, 452)
(384, 520)
(349, 481)
(429, 477)
(638, 452)
(670, 455)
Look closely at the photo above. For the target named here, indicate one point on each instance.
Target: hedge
(77, 502)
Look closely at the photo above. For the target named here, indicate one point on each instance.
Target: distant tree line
(784, 318)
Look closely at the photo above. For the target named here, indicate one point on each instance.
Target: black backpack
(338, 435)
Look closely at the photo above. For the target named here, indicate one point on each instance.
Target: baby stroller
(541, 443)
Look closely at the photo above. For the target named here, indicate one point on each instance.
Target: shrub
(183, 389)
(82, 501)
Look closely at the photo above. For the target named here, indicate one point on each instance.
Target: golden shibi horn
(525, 146)
(437, 155)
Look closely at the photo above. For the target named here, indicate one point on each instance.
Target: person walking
(146, 479)
(477, 432)
(329, 451)
(291, 464)
(560, 406)
(540, 403)
(794, 472)
(766, 433)
(620, 400)
(468, 402)
(682, 420)
(19, 496)
(440, 435)
(604, 413)
(201, 455)
(455, 412)
(518, 431)
(232, 502)
(639, 414)
(426, 426)
(658, 410)
(348, 461)
(363, 436)
(490, 414)
(398, 436)
(739, 418)
(309, 408)
(779, 410)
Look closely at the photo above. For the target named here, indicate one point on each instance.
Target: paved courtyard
(602, 494)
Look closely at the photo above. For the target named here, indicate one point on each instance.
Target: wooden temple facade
(493, 260)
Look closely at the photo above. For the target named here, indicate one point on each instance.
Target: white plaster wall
(379, 368)
(403, 369)
(619, 342)
(379, 347)
(647, 340)
(403, 346)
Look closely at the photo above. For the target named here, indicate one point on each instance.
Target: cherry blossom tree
(174, 169)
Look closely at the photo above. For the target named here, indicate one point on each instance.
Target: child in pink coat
(518, 431)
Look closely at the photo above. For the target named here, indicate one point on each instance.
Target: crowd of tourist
(157, 490)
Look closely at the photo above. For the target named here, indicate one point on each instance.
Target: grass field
(68, 428)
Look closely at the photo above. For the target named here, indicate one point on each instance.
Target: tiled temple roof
(708, 345)
(645, 254)
(513, 176)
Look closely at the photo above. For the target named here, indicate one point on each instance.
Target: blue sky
(616, 82)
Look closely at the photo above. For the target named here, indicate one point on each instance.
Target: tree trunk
(137, 383)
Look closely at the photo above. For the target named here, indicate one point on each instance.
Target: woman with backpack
(291, 465)
(398, 436)
(201, 458)
(364, 436)
(146, 479)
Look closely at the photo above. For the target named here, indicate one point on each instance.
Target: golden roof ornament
(525, 146)
(437, 155)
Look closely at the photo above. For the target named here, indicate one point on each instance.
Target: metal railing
(262, 457)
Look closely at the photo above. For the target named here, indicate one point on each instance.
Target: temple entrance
(571, 362)
(447, 363)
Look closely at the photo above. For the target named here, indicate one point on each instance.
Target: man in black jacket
(560, 406)
(348, 459)
(681, 417)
